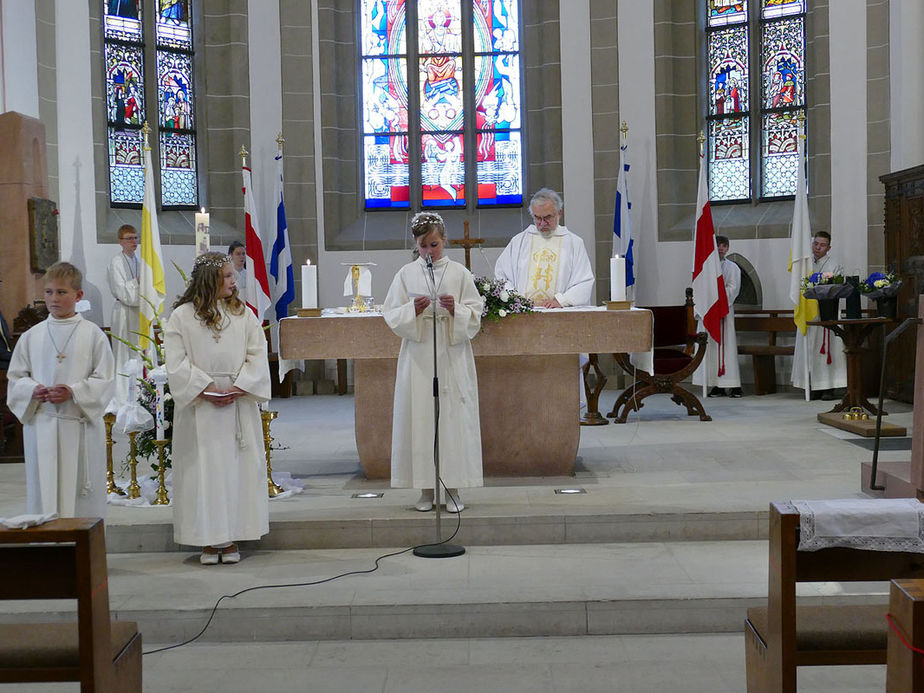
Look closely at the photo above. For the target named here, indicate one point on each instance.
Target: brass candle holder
(273, 488)
(162, 498)
(111, 486)
(134, 490)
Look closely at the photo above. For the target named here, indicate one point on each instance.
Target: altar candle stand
(134, 490)
(272, 487)
(162, 498)
(111, 486)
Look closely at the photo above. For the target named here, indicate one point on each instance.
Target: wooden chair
(783, 635)
(65, 559)
(678, 351)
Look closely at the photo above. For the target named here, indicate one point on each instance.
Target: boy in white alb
(60, 378)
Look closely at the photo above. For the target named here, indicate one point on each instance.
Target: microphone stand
(437, 549)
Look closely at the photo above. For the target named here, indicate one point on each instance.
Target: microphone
(430, 266)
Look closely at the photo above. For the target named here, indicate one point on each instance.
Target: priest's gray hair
(547, 195)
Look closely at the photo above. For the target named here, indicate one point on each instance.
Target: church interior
(635, 569)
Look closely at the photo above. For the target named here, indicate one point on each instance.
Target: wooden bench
(904, 666)
(65, 559)
(770, 322)
(782, 635)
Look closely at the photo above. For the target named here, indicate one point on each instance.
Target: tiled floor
(665, 479)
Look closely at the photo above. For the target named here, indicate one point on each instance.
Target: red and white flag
(710, 302)
(256, 293)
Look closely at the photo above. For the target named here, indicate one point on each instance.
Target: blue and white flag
(622, 226)
(281, 256)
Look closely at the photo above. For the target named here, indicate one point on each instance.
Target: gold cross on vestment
(467, 243)
(61, 357)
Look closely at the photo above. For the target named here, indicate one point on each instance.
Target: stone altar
(528, 380)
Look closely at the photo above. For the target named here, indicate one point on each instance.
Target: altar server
(721, 362)
(218, 374)
(60, 377)
(409, 311)
(122, 277)
(827, 362)
(546, 262)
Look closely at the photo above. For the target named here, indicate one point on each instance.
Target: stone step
(490, 591)
(476, 529)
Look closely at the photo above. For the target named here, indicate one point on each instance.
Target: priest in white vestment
(827, 363)
(122, 277)
(218, 373)
(546, 262)
(721, 362)
(409, 312)
(60, 380)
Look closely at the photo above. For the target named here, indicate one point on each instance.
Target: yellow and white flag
(800, 251)
(153, 288)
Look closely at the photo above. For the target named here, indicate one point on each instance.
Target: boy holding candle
(60, 377)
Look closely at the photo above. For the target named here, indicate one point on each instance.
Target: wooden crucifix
(467, 243)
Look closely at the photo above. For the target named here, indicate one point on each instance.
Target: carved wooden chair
(678, 351)
(11, 441)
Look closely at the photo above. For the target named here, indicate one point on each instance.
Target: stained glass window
(752, 139)
(127, 94)
(176, 104)
(414, 94)
(123, 53)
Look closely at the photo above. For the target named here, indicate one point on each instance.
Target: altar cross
(467, 243)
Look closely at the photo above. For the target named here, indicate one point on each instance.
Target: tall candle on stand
(617, 278)
(202, 235)
(309, 285)
(159, 376)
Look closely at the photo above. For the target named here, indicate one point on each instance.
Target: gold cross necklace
(61, 355)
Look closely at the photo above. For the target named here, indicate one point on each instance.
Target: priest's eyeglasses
(547, 219)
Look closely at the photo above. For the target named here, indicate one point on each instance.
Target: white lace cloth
(872, 524)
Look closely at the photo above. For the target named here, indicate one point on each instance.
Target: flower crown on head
(423, 219)
(211, 260)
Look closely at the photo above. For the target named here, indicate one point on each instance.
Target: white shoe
(454, 502)
(208, 558)
(230, 554)
(425, 502)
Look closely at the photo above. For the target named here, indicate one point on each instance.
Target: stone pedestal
(23, 174)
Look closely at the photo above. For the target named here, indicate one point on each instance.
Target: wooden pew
(904, 666)
(772, 323)
(65, 559)
(783, 635)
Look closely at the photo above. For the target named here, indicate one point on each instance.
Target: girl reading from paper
(413, 300)
(218, 373)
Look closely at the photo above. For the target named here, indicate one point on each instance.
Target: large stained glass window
(441, 103)
(752, 140)
(129, 94)
(123, 54)
(175, 104)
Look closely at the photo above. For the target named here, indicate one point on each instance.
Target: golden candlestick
(134, 490)
(111, 486)
(162, 498)
(272, 487)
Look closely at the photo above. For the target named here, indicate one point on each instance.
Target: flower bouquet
(880, 285)
(499, 301)
(825, 285)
